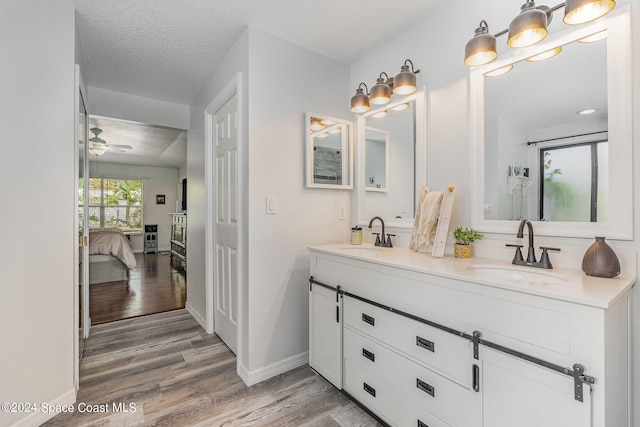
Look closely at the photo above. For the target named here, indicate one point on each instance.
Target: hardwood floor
(154, 287)
(167, 369)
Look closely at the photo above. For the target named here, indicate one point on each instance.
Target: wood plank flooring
(174, 374)
(154, 286)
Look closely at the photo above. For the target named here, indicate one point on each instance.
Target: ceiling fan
(99, 146)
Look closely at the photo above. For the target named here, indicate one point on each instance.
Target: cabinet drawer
(445, 352)
(426, 388)
(384, 401)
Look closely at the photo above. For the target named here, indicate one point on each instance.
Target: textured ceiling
(150, 145)
(168, 49)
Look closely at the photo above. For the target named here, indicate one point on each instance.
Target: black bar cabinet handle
(369, 355)
(368, 319)
(369, 389)
(427, 388)
(425, 343)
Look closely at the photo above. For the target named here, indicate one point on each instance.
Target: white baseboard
(194, 313)
(38, 418)
(254, 377)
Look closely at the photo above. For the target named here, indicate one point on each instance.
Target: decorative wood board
(444, 218)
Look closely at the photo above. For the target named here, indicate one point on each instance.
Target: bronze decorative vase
(600, 260)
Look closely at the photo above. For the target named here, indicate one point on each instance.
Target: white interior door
(225, 244)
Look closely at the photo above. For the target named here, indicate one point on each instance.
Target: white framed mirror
(403, 124)
(329, 152)
(376, 161)
(527, 139)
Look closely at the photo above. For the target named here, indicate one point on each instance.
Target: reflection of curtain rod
(565, 137)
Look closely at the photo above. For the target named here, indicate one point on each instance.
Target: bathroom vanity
(436, 342)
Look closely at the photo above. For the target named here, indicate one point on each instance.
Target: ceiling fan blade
(126, 147)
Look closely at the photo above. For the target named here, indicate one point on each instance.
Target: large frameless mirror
(538, 153)
(329, 152)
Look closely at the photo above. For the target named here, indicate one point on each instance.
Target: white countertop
(568, 284)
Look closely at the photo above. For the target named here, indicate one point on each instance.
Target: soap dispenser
(356, 235)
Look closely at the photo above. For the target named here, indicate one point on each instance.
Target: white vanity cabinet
(427, 341)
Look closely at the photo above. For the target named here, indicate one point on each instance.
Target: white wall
(37, 220)
(123, 106)
(156, 180)
(436, 45)
(285, 81)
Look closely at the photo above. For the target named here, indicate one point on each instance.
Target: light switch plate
(271, 205)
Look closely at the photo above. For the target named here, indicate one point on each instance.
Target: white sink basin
(515, 273)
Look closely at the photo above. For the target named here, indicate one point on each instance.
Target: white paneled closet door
(225, 123)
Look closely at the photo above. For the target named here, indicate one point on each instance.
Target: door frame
(233, 87)
(80, 96)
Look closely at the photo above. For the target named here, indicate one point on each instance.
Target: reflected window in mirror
(538, 108)
(329, 152)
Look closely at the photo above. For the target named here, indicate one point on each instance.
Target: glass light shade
(481, 49)
(360, 102)
(98, 149)
(529, 27)
(380, 93)
(545, 55)
(581, 11)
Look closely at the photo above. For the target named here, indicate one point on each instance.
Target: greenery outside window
(573, 183)
(115, 202)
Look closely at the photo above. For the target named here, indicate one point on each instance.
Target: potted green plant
(464, 237)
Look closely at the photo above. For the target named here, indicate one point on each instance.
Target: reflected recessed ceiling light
(336, 129)
(499, 71)
(594, 37)
(401, 107)
(379, 114)
(545, 55)
(328, 122)
(587, 111)
(322, 135)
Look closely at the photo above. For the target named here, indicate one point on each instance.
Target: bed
(110, 256)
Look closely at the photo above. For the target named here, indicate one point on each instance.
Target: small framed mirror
(329, 152)
(376, 159)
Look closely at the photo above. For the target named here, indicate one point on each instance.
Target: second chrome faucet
(544, 262)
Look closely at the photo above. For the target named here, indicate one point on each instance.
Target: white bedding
(111, 241)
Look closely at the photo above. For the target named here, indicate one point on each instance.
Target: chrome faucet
(385, 240)
(545, 262)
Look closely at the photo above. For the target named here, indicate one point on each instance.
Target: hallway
(165, 370)
(154, 287)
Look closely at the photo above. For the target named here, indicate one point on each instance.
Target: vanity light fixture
(499, 71)
(582, 11)
(405, 81)
(360, 101)
(545, 55)
(594, 37)
(481, 49)
(530, 27)
(316, 124)
(381, 91)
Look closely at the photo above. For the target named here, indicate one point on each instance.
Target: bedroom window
(115, 202)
